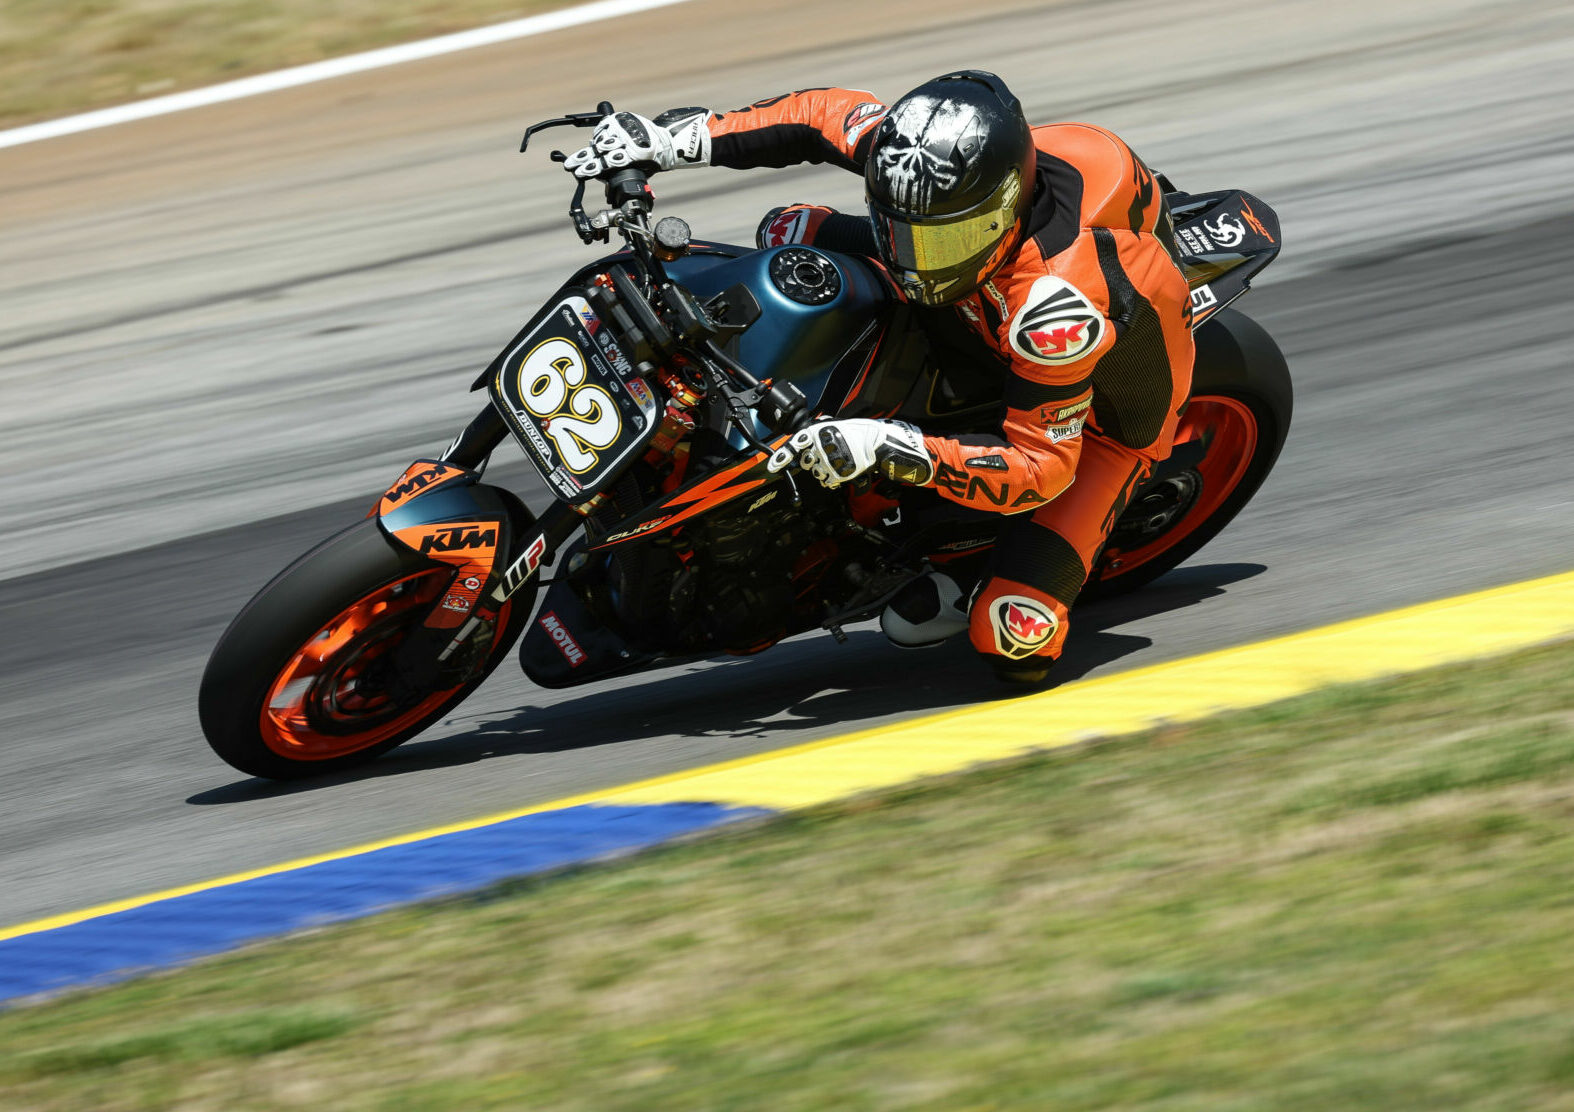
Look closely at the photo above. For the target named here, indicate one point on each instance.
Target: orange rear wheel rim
(1227, 430)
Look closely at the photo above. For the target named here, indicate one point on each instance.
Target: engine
(737, 590)
(724, 583)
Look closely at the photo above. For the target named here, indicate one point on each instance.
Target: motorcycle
(650, 392)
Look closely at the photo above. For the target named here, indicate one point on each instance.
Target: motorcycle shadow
(801, 690)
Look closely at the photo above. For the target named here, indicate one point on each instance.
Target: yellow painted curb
(1450, 631)
(1447, 632)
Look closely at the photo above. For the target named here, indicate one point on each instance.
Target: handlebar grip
(630, 184)
(605, 108)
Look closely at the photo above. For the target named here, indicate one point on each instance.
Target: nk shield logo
(1058, 325)
(1022, 626)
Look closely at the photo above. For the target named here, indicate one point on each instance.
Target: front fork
(471, 450)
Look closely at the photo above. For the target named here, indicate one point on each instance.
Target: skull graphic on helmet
(927, 145)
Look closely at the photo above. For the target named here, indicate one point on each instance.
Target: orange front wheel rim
(330, 699)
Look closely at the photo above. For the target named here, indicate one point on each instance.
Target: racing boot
(925, 612)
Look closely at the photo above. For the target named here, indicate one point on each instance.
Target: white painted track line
(332, 67)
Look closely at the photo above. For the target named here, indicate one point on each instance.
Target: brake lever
(573, 119)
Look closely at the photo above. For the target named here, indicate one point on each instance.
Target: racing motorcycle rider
(1054, 247)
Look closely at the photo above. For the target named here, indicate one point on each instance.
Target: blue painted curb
(182, 928)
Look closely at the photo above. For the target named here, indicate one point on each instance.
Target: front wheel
(299, 684)
(1229, 437)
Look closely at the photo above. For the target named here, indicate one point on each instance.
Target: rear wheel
(301, 683)
(1228, 440)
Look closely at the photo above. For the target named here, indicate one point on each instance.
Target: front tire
(293, 687)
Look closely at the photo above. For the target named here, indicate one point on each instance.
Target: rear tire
(1230, 435)
(290, 690)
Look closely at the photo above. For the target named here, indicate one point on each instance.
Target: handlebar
(630, 202)
(627, 190)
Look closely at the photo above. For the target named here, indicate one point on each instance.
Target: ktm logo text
(460, 538)
(416, 483)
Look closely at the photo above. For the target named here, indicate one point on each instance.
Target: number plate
(572, 397)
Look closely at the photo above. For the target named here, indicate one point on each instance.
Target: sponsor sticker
(1058, 325)
(417, 478)
(999, 299)
(979, 491)
(562, 638)
(537, 441)
(860, 120)
(1195, 241)
(1202, 298)
(524, 567)
(470, 548)
(642, 527)
(1065, 430)
(459, 538)
(1256, 225)
(1225, 230)
(453, 542)
(1049, 414)
(761, 500)
(1022, 626)
(614, 354)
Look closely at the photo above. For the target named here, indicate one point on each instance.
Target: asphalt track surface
(223, 332)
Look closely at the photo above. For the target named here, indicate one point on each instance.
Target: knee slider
(1011, 625)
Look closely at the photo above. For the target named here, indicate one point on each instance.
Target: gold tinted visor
(948, 242)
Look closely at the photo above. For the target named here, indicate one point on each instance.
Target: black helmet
(949, 177)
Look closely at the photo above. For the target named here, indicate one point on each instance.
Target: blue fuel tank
(814, 308)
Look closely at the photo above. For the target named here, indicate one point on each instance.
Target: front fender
(445, 514)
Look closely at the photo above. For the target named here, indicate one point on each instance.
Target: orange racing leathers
(1091, 315)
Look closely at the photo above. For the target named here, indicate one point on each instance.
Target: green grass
(63, 56)
(1360, 899)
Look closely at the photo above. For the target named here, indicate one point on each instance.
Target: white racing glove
(838, 451)
(673, 140)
